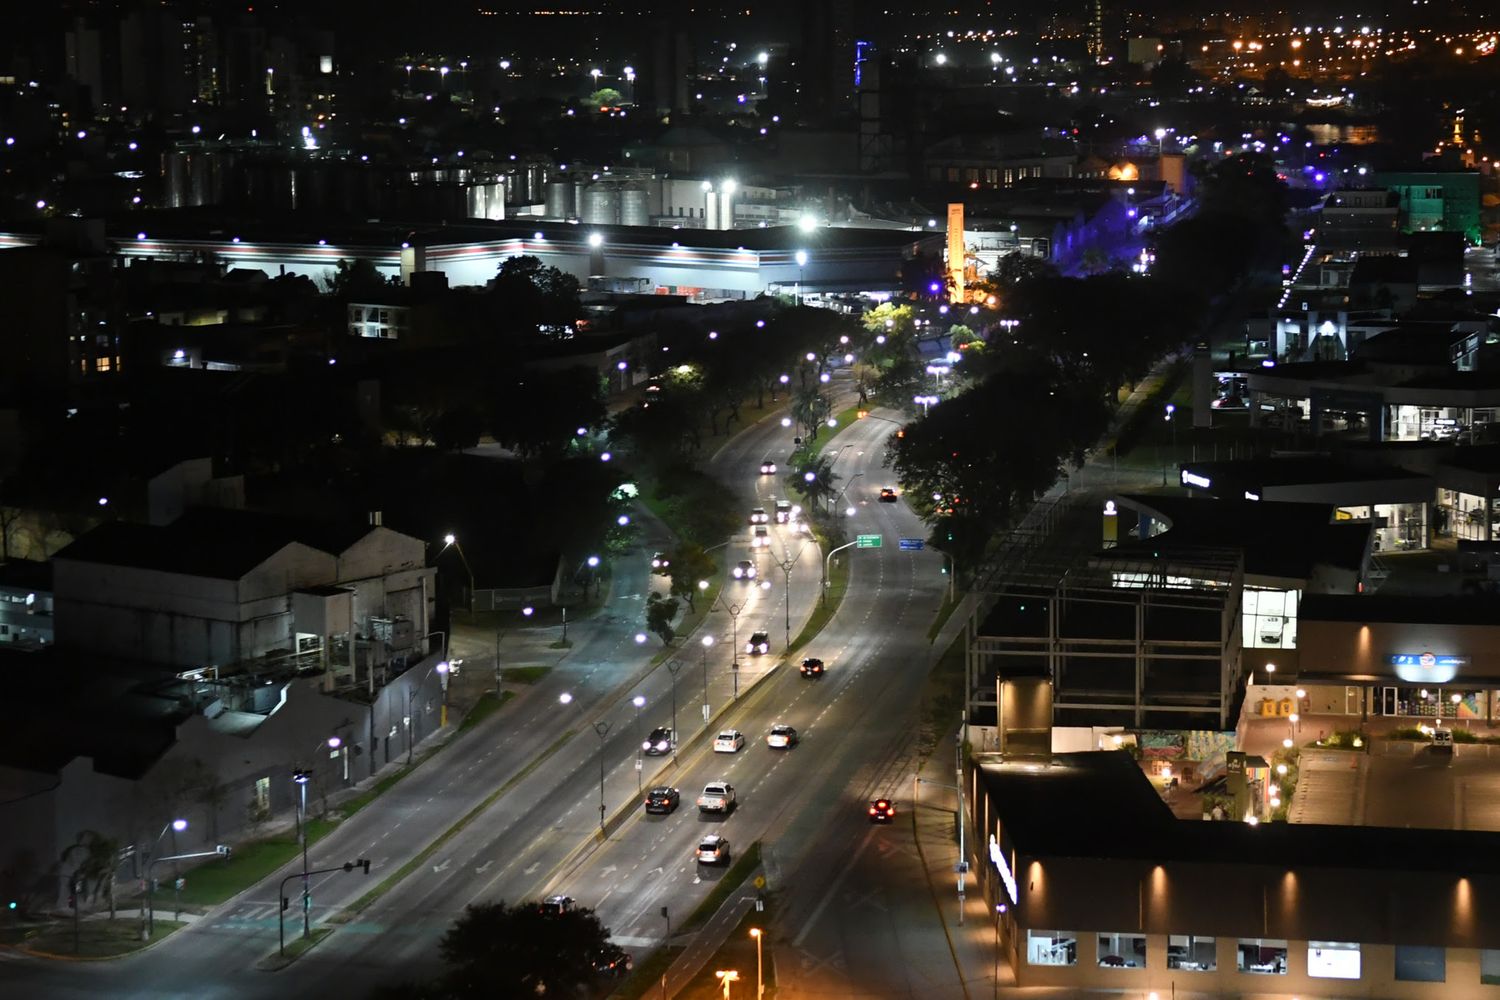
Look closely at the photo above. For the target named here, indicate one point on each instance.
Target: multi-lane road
(541, 834)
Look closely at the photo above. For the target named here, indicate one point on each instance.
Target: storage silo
(560, 200)
(635, 206)
(601, 205)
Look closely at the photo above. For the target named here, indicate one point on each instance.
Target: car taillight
(872, 810)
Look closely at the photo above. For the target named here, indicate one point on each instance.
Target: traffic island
(93, 940)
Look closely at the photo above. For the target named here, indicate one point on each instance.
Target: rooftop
(1051, 806)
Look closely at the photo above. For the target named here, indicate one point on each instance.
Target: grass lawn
(809, 450)
(488, 705)
(524, 675)
(98, 938)
(943, 696)
(943, 614)
(295, 949)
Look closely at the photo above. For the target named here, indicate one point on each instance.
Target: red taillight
(872, 810)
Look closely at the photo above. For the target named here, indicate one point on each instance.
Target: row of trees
(1041, 390)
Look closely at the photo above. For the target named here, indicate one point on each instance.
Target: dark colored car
(659, 741)
(663, 800)
(760, 642)
(812, 667)
(882, 811)
(556, 904)
(887, 495)
(612, 962)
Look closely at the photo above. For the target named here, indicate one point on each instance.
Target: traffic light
(286, 902)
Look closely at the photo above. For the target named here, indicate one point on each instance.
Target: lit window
(1262, 956)
(1122, 951)
(1420, 964)
(1051, 948)
(1332, 960)
(1192, 953)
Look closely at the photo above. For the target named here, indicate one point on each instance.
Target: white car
(759, 516)
(718, 796)
(713, 850)
(744, 570)
(781, 737)
(760, 538)
(729, 741)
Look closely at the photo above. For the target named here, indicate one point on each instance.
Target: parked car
(718, 797)
(882, 811)
(781, 737)
(713, 850)
(659, 741)
(729, 741)
(812, 667)
(760, 642)
(663, 799)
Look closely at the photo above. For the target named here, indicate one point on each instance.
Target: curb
(21, 949)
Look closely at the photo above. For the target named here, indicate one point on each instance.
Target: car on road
(612, 962)
(760, 642)
(556, 904)
(812, 667)
(1442, 739)
(744, 570)
(781, 737)
(713, 850)
(660, 561)
(659, 741)
(663, 799)
(783, 511)
(760, 538)
(717, 797)
(729, 741)
(759, 516)
(882, 811)
(887, 494)
(768, 468)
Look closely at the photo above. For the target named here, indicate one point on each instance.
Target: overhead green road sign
(868, 541)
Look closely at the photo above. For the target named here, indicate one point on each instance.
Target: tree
(605, 97)
(359, 277)
(814, 482)
(659, 614)
(91, 861)
(811, 409)
(535, 297)
(1016, 267)
(538, 414)
(686, 565)
(457, 428)
(499, 950)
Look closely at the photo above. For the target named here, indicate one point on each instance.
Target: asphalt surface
(523, 845)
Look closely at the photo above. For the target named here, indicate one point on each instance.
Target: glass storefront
(1270, 618)
(1462, 515)
(1427, 423)
(1428, 703)
(1398, 526)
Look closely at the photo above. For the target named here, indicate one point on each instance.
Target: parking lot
(1401, 784)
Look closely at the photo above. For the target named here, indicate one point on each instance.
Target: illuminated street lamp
(760, 981)
(639, 702)
(708, 642)
(727, 976)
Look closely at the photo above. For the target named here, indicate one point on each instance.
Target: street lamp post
(638, 701)
(602, 729)
(786, 563)
(451, 539)
(148, 915)
(301, 777)
(734, 636)
(801, 264)
(708, 642)
(826, 562)
(760, 979)
(674, 665)
(441, 667)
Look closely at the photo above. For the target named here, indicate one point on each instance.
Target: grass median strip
(822, 614)
(488, 705)
(295, 949)
(390, 881)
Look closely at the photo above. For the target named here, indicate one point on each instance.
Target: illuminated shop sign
(997, 856)
(1193, 479)
(1427, 668)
